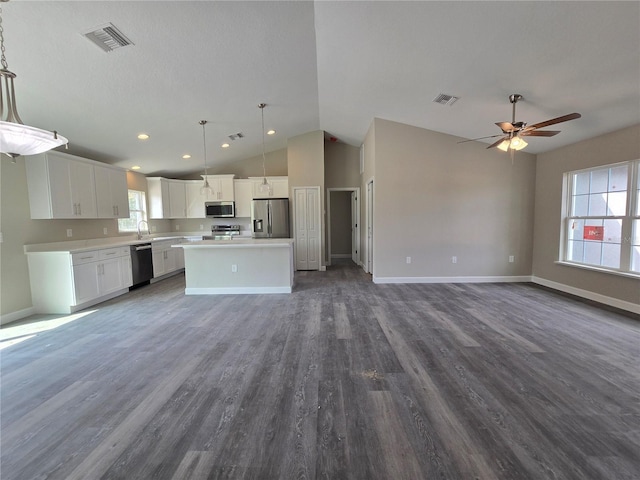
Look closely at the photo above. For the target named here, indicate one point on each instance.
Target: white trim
(235, 290)
(596, 297)
(18, 315)
(484, 279)
(596, 268)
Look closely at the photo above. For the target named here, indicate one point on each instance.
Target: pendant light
(16, 138)
(206, 189)
(264, 186)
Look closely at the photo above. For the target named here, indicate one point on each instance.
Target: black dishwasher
(141, 264)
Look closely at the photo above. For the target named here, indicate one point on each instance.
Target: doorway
(343, 225)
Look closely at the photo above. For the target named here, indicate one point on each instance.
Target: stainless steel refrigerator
(270, 218)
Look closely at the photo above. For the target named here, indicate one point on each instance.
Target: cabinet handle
(110, 253)
(85, 258)
(79, 209)
(117, 211)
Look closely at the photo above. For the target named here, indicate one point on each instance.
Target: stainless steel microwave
(220, 209)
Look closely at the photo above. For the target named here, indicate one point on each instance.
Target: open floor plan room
(340, 379)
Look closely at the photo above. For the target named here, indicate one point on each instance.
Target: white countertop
(74, 246)
(245, 242)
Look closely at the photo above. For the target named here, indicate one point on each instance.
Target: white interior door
(307, 228)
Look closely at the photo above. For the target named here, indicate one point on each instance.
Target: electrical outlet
(201, 227)
(512, 259)
(153, 228)
(454, 259)
(1, 237)
(177, 227)
(104, 230)
(69, 232)
(234, 268)
(408, 259)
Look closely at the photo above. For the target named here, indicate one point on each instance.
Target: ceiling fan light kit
(16, 138)
(512, 132)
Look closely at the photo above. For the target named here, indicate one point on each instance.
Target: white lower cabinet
(166, 259)
(63, 282)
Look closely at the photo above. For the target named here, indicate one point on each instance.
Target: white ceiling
(318, 65)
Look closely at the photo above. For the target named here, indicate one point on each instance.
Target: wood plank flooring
(342, 379)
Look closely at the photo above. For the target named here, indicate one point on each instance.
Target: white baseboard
(235, 290)
(596, 297)
(486, 279)
(19, 315)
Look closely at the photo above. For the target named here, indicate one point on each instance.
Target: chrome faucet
(139, 232)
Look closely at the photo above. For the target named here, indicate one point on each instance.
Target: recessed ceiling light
(143, 136)
(271, 132)
(135, 167)
(225, 145)
(186, 156)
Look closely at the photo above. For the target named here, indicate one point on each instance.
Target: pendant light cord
(264, 168)
(204, 145)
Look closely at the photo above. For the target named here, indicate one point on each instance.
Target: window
(138, 212)
(603, 209)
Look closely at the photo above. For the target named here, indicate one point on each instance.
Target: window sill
(593, 268)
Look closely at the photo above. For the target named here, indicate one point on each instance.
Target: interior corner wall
(305, 165)
(435, 199)
(621, 145)
(341, 165)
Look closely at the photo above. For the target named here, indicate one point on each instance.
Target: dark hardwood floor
(342, 379)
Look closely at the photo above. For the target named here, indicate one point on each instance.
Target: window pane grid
(137, 212)
(598, 210)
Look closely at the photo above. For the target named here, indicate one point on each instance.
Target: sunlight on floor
(13, 334)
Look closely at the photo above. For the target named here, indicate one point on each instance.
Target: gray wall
(435, 199)
(618, 146)
(340, 223)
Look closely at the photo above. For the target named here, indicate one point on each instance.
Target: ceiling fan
(512, 133)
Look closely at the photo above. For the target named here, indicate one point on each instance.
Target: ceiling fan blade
(553, 121)
(539, 133)
(497, 142)
(480, 138)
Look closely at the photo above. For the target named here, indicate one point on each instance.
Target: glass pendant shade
(16, 138)
(206, 189)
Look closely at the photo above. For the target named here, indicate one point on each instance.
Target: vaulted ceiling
(330, 65)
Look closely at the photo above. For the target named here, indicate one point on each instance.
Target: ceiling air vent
(236, 136)
(108, 37)
(444, 99)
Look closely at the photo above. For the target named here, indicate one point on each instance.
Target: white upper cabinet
(222, 188)
(61, 186)
(195, 200)
(278, 187)
(167, 198)
(111, 192)
(243, 192)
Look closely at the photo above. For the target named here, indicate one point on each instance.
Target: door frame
(356, 234)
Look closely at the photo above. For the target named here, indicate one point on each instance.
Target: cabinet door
(170, 259)
(226, 189)
(62, 202)
(177, 200)
(157, 256)
(85, 281)
(112, 195)
(125, 268)
(110, 276)
(243, 193)
(278, 187)
(195, 201)
(158, 189)
(83, 189)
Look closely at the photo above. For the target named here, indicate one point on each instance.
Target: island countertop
(241, 243)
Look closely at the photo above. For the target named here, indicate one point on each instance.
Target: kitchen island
(217, 267)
